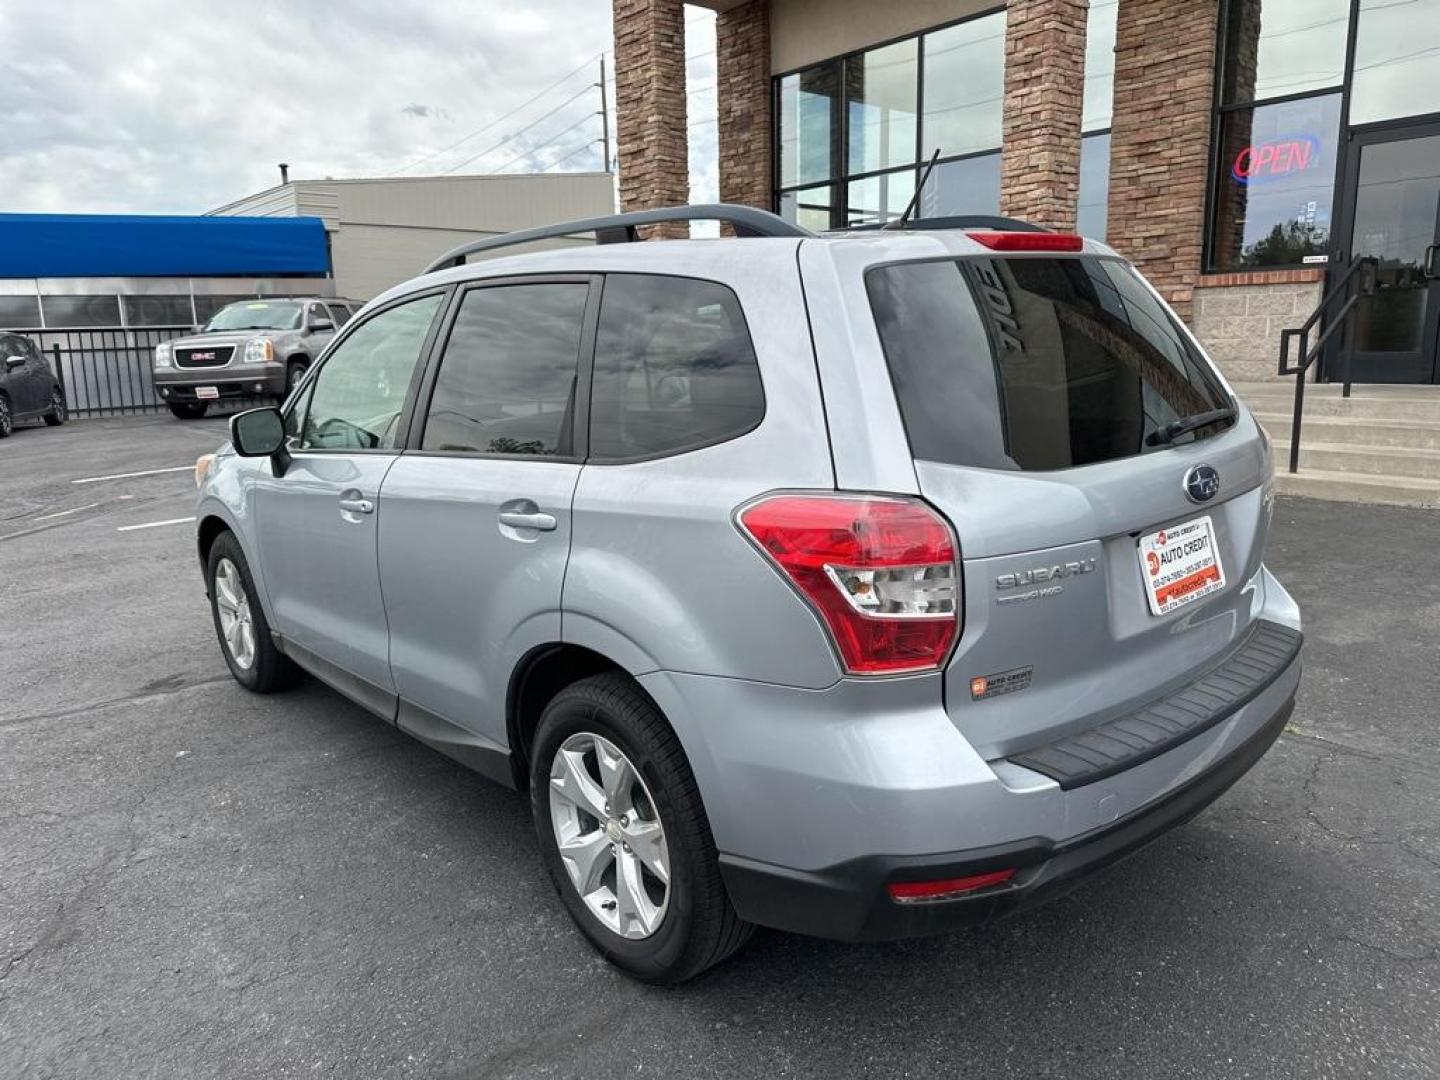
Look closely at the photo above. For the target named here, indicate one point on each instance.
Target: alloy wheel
(233, 606)
(610, 836)
(57, 405)
(6, 421)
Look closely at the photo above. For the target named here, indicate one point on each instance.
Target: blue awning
(109, 245)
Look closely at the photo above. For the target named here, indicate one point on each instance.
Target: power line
(514, 134)
(548, 142)
(499, 119)
(582, 147)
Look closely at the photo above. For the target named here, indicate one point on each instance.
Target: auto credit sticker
(1180, 565)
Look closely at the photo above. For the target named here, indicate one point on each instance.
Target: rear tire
(240, 624)
(58, 413)
(189, 410)
(691, 923)
(7, 418)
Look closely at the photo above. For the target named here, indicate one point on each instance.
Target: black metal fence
(105, 371)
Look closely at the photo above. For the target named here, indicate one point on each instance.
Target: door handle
(519, 520)
(1428, 267)
(357, 506)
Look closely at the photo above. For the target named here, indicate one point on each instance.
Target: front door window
(1397, 203)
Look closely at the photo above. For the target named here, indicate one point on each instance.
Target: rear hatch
(1108, 555)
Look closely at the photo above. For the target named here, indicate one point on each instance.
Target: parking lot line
(72, 510)
(154, 524)
(128, 475)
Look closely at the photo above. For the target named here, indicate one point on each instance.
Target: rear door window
(1035, 363)
(674, 368)
(508, 376)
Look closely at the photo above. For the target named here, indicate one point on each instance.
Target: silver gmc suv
(250, 348)
(857, 585)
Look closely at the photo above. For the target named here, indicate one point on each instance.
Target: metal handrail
(622, 228)
(1361, 273)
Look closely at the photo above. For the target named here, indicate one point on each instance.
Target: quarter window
(508, 376)
(360, 393)
(674, 368)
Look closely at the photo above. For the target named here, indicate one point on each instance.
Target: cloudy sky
(144, 106)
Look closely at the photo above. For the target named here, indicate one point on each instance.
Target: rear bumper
(850, 901)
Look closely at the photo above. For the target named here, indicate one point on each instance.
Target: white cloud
(144, 106)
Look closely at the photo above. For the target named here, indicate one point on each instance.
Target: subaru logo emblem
(1201, 483)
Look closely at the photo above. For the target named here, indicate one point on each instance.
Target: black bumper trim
(1087, 756)
(848, 901)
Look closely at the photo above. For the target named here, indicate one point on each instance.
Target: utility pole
(604, 114)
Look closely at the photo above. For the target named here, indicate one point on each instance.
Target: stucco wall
(804, 31)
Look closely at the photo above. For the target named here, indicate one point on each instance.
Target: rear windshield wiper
(1173, 430)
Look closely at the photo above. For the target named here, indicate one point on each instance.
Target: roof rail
(621, 228)
(962, 221)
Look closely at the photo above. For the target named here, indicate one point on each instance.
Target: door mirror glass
(13, 362)
(257, 433)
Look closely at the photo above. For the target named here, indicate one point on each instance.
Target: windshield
(1038, 363)
(256, 315)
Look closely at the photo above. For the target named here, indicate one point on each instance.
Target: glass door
(1394, 188)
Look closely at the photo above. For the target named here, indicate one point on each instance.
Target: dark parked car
(28, 389)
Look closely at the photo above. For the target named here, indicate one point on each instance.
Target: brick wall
(650, 107)
(742, 46)
(1160, 139)
(1044, 93)
(1238, 318)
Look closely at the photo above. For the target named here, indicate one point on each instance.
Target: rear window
(1035, 363)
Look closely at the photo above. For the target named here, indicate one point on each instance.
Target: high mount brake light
(1028, 241)
(881, 572)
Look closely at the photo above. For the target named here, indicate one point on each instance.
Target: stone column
(650, 134)
(742, 44)
(1160, 139)
(1044, 95)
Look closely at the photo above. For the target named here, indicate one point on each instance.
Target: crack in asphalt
(149, 692)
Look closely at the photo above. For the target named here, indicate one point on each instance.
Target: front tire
(58, 413)
(624, 836)
(189, 410)
(240, 624)
(294, 372)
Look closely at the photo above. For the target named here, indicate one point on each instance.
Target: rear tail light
(910, 892)
(1028, 241)
(880, 572)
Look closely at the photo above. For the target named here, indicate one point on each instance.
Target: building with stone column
(1242, 152)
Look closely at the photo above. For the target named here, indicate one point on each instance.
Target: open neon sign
(1275, 158)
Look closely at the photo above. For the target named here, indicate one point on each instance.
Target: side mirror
(261, 433)
(13, 362)
(319, 326)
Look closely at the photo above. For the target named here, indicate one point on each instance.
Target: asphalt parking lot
(198, 882)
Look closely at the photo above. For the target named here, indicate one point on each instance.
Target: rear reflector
(880, 572)
(908, 892)
(1028, 241)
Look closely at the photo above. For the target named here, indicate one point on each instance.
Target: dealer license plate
(207, 393)
(1180, 565)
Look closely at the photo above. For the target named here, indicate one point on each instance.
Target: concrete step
(1356, 430)
(1386, 461)
(1357, 487)
(1361, 408)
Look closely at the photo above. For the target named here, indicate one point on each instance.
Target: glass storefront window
(968, 186)
(1274, 48)
(19, 312)
(964, 87)
(1092, 211)
(809, 207)
(880, 96)
(1397, 50)
(1274, 183)
(158, 310)
(79, 311)
(809, 124)
(879, 198)
(1099, 65)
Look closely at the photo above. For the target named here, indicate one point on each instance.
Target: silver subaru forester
(857, 585)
